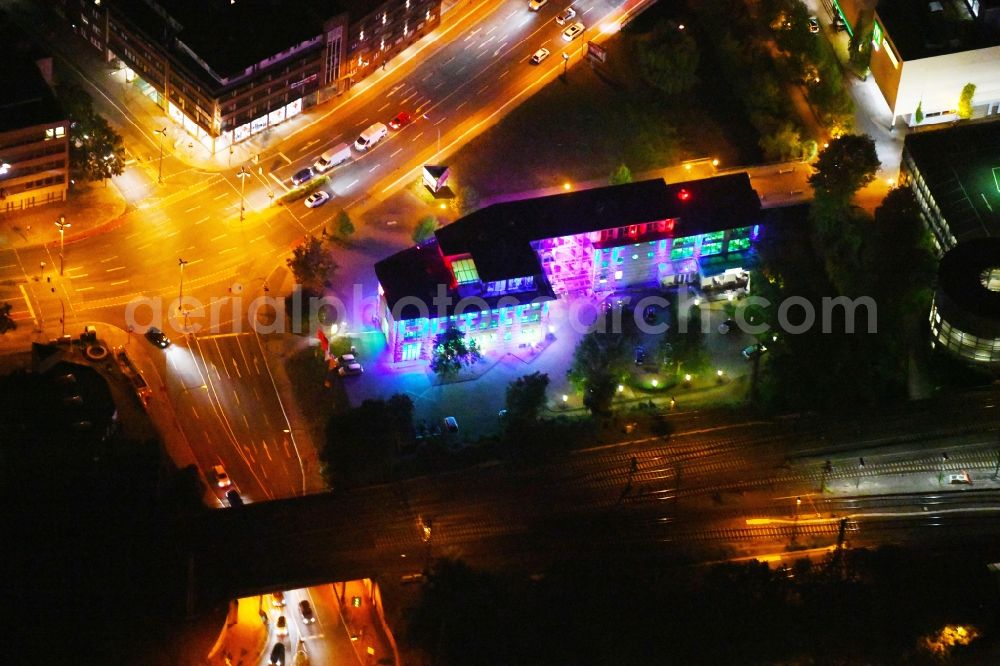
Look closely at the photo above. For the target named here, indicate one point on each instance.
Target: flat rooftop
(231, 36)
(924, 28)
(961, 166)
(25, 98)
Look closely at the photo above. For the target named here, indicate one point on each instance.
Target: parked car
(754, 350)
(157, 337)
(307, 612)
(450, 424)
(538, 56)
(331, 158)
(220, 477)
(401, 120)
(278, 655)
(347, 359)
(813, 25)
(350, 369)
(565, 16)
(535, 5)
(574, 31)
(234, 499)
(317, 198)
(727, 326)
(302, 176)
(281, 626)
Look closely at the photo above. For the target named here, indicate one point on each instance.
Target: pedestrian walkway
(243, 638)
(360, 603)
(90, 209)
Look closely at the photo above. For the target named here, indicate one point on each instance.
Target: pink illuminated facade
(501, 267)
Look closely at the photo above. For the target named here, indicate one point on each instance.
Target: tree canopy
(845, 166)
(668, 59)
(96, 151)
(312, 264)
(362, 443)
(620, 175)
(343, 225)
(600, 362)
(425, 229)
(526, 399)
(452, 352)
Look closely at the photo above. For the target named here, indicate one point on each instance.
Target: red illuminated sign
(683, 195)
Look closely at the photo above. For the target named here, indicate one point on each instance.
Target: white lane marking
(505, 73)
(219, 237)
(193, 209)
(116, 268)
(396, 153)
(285, 157)
(461, 105)
(416, 137)
(439, 122)
(85, 289)
(114, 284)
(386, 106)
(204, 219)
(267, 451)
(143, 247)
(306, 146)
(129, 237)
(352, 184)
(374, 167)
(104, 261)
(228, 249)
(221, 196)
(480, 91)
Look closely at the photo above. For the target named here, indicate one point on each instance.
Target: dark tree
(343, 225)
(7, 322)
(668, 59)
(96, 151)
(621, 175)
(599, 363)
(526, 398)
(425, 229)
(312, 264)
(845, 166)
(361, 444)
(452, 353)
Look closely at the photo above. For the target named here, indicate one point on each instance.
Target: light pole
(565, 63)
(242, 174)
(160, 133)
(62, 224)
(180, 292)
(4, 168)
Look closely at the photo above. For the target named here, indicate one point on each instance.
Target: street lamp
(242, 174)
(180, 292)
(4, 168)
(62, 224)
(565, 63)
(160, 133)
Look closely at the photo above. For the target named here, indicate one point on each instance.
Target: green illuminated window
(687, 241)
(737, 244)
(465, 271)
(713, 237)
(681, 253)
(710, 248)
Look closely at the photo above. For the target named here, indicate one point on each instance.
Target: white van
(375, 133)
(331, 158)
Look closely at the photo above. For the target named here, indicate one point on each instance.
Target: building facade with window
(226, 70)
(497, 272)
(954, 173)
(34, 132)
(965, 313)
(925, 51)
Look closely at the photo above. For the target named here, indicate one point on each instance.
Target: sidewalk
(91, 209)
(243, 638)
(367, 632)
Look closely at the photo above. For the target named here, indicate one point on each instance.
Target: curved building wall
(965, 313)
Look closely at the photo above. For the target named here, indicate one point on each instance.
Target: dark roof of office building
(25, 98)
(415, 278)
(961, 167)
(499, 236)
(924, 28)
(960, 277)
(231, 36)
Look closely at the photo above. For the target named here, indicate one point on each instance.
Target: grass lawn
(603, 116)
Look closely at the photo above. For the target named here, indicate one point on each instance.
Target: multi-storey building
(34, 131)
(965, 314)
(925, 51)
(495, 273)
(225, 70)
(954, 173)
